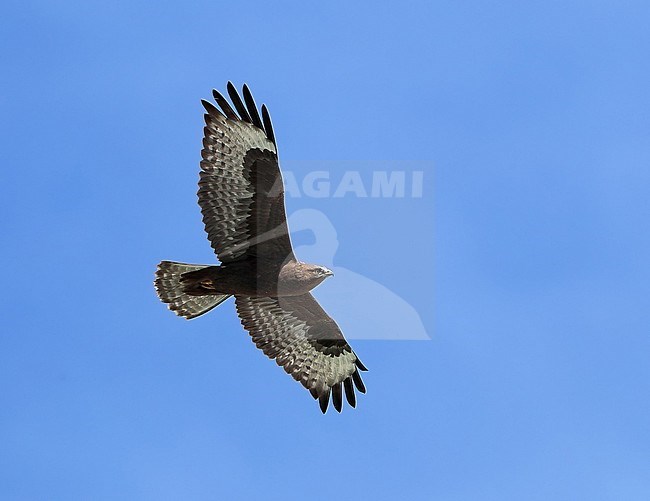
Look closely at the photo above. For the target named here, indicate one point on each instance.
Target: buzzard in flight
(242, 200)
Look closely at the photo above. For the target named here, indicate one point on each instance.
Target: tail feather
(170, 291)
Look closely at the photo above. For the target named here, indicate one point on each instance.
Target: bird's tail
(171, 290)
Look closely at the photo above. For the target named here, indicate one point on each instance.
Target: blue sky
(525, 259)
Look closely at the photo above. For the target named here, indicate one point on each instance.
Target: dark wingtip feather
(361, 367)
(211, 109)
(337, 398)
(324, 400)
(252, 107)
(225, 105)
(268, 126)
(356, 377)
(349, 392)
(239, 105)
(314, 394)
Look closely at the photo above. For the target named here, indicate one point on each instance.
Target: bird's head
(315, 274)
(298, 277)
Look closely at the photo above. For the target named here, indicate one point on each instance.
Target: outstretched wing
(240, 189)
(306, 342)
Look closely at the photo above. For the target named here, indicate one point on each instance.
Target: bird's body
(242, 200)
(255, 278)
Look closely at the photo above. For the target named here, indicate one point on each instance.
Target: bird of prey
(241, 196)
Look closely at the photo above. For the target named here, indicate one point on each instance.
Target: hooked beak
(329, 273)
